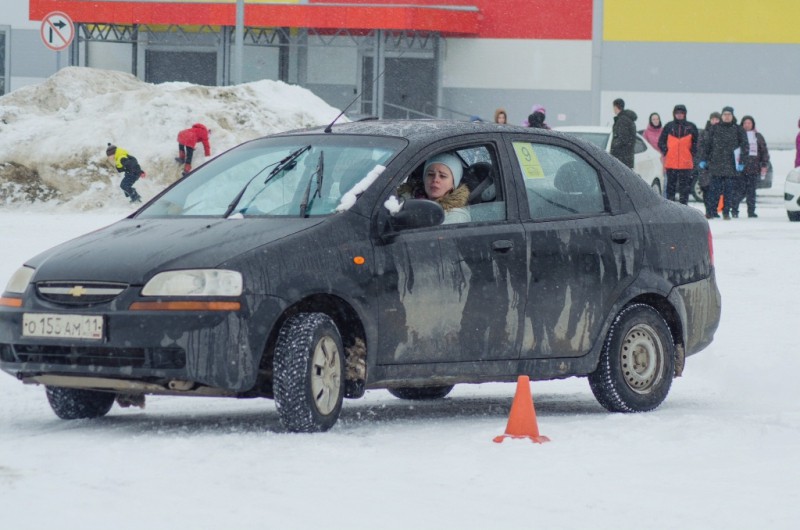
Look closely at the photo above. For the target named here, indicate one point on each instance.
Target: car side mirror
(417, 213)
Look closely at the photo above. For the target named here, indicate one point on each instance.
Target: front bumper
(218, 349)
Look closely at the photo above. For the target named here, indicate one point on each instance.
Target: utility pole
(238, 43)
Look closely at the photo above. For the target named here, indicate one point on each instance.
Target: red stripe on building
(518, 19)
(515, 19)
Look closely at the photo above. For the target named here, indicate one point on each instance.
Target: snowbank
(53, 135)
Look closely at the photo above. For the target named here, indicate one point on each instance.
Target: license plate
(49, 325)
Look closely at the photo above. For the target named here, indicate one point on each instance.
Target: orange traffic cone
(721, 203)
(522, 418)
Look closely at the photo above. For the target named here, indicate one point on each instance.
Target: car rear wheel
(420, 393)
(637, 363)
(76, 403)
(793, 216)
(309, 373)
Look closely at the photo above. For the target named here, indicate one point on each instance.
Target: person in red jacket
(187, 140)
(678, 143)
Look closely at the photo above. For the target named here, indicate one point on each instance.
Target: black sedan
(291, 268)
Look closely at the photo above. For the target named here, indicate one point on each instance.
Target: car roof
(415, 130)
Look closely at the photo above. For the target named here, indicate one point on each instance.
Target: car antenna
(329, 128)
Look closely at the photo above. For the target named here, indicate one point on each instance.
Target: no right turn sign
(57, 30)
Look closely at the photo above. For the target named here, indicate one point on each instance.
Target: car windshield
(282, 176)
(596, 138)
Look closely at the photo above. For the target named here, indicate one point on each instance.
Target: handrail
(423, 114)
(409, 111)
(447, 109)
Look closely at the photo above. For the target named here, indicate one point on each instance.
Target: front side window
(558, 182)
(296, 176)
(479, 190)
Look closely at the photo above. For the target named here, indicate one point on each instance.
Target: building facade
(447, 58)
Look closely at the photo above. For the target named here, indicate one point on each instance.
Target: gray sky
(15, 14)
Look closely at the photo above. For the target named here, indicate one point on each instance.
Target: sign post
(57, 30)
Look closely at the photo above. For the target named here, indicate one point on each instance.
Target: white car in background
(646, 159)
(791, 194)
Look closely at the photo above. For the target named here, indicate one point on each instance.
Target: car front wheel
(309, 373)
(77, 404)
(637, 363)
(420, 393)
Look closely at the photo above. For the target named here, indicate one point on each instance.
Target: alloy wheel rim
(325, 375)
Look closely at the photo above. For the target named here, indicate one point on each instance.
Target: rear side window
(558, 182)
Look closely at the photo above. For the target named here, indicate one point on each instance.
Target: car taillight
(710, 248)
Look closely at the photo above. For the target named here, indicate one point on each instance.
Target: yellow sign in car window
(528, 161)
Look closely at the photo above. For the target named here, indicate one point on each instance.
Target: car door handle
(502, 245)
(620, 236)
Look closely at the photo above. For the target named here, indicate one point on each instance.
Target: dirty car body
(290, 268)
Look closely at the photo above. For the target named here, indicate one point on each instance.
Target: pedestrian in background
(755, 167)
(797, 148)
(187, 141)
(126, 163)
(536, 118)
(719, 157)
(623, 133)
(703, 176)
(536, 121)
(653, 131)
(500, 116)
(678, 143)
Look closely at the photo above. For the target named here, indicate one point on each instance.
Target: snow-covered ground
(721, 453)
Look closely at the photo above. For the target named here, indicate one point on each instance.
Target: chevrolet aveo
(291, 268)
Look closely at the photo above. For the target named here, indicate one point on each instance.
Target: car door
(583, 247)
(454, 292)
(646, 161)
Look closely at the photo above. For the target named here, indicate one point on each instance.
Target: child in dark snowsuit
(127, 164)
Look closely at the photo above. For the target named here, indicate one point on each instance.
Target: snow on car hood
(133, 250)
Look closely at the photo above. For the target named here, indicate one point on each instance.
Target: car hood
(133, 250)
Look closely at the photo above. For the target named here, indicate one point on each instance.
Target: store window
(5, 38)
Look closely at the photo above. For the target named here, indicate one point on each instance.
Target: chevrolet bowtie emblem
(77, 291)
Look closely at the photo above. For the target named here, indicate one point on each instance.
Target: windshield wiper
(283, 164)
(305, 203)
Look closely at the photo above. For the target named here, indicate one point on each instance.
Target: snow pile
(53, 135)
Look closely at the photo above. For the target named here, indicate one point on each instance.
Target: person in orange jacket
(187, 140)
(678, 143)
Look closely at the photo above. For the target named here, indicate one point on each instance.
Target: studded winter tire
(76, 404)
(637, 363)
(421, 393)
(309, 373)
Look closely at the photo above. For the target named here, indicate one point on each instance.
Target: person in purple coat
(797, 143)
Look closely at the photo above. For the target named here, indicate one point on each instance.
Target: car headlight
(199, 282)
(19, 280)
